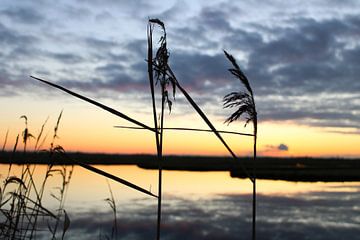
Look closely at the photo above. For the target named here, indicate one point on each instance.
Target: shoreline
(305, 169)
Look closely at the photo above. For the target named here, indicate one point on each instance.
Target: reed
(164, 81)
(112, 204)
(5, 141)
(244, 101)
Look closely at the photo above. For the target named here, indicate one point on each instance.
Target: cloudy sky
(302, 59)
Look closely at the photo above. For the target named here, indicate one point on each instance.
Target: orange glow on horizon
(301, 141)
(86, 129)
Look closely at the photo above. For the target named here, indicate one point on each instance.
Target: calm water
(205, 205)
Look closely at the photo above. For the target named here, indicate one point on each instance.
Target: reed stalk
(156, 127)
(5, 141)
(112, 204)
(160, 60)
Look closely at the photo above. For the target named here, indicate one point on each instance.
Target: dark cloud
(173, 13)
(23, 15)
(281, 148)
(199, 72)
(307, 57)
(99, 44)
(65, 58)
(76, 12)
(11, 38)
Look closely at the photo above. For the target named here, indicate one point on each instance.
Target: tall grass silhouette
(245, 103)
(21, 204)
(158, 68)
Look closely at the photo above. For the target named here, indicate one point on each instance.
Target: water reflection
(209, 205)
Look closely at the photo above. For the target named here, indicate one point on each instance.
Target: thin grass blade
(105, 174)
(189, 129)
(5, 140)
(106, 108)
(66, 224)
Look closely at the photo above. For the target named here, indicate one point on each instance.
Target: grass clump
(23, 214)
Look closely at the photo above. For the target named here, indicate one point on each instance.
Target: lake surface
(204, 205)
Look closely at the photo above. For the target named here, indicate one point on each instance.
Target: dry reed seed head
(15, 180)
(59, 149)
(158, 22)
(236, 71)
(243, 100)
(26, 135)
(161, 66)
(236, 98)
(25, 118)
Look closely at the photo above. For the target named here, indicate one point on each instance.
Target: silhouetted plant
(21, 199)
(26, 134)
(112, 204)
(5, 141)
(245, 104)
(158, 68)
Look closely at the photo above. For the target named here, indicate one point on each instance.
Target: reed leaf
(5, 140)
(189, 129)
(105, 174)
(66, 224)
(37, 204)
(40, 134)
(104, 107)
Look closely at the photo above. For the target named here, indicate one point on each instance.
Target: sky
(301, 58)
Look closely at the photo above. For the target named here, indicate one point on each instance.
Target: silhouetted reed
(245, 103)
(5, 141)
(112, 204)
(161, 58)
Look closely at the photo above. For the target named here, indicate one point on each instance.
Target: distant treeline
(289, 168)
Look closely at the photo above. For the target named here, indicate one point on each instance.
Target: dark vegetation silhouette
(245, 103)
(160, 74)
(22, 212)
(158, 69)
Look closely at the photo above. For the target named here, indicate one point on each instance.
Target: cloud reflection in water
(313, 215)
